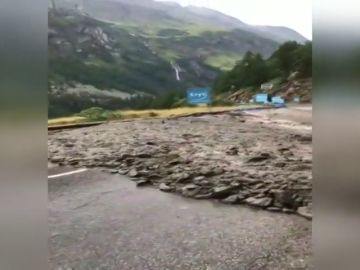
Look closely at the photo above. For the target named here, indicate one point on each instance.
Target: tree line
(253, 70)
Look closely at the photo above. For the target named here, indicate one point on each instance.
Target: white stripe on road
(67, 173)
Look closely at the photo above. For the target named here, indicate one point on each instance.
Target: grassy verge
(66, 120)
(144, 114)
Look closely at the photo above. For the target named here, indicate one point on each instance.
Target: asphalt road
(298, 113)
(102, 221)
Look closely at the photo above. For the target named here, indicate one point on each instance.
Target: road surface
(298, 113)
(102, 221)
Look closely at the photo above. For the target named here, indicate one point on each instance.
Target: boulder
(133, 173)
(166, 188)
(305, 212)
(259, 202)
(207, 171)
(190, 190)
(233, 199)
(123, 172)
(180, 177)
(283, 198)
(221, 192)
(142, 182)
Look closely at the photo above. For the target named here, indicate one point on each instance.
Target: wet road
(102, 221)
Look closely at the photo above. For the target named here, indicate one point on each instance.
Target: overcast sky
(296, 14)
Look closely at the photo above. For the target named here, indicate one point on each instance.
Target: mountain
(123, 54)
(149, 11)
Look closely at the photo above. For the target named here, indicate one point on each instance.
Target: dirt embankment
(234, 158)
(301, 88)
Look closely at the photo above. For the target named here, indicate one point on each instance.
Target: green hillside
(138, 61)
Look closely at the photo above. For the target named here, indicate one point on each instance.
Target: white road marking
(67, 173)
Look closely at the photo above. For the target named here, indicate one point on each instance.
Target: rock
(199, 178)
(303, 138)
(233, 199)
(259, 158)
(287, 211)
(150, 143)
(141, 183)
(153, 176)
(73, 161)
(206, 171)
(190, 187)
(258, 186)
(223, 191)
(144, 155)
(133, 173)
(249, 181)
(283, 198)
(280, 164)
(123, 172)
(305, 212)
(180, 177)
(301, 167)
(274, 209)
(57, 159)
(175, 161)
(203, 196)
(171, 157)
(164, 187)
(190, 190)
(111, 164)
(232, 151)
(113, 171)
(259, 202)
(218, 171)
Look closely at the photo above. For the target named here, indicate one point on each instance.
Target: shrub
(96, 114)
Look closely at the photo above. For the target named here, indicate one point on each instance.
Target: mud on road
(256, 159)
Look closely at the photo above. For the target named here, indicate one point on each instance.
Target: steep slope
(171, 13)
(90, 60)
(96, 63)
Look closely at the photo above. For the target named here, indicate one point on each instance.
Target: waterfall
(177, 70)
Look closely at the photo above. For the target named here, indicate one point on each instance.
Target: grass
(169, 112)
(169, 55)
(223, 62)
(144, 114)
(66, 120)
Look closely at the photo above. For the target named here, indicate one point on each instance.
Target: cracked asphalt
(102, 221)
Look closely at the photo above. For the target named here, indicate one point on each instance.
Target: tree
(283, 60)
(252, 71)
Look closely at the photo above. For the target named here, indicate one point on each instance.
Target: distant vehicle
(278, 101)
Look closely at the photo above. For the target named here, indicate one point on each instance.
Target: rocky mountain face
(300, 88)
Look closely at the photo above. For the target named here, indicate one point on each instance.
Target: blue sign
(261, 98)
(199, 96)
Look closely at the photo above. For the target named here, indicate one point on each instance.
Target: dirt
(261, 159)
